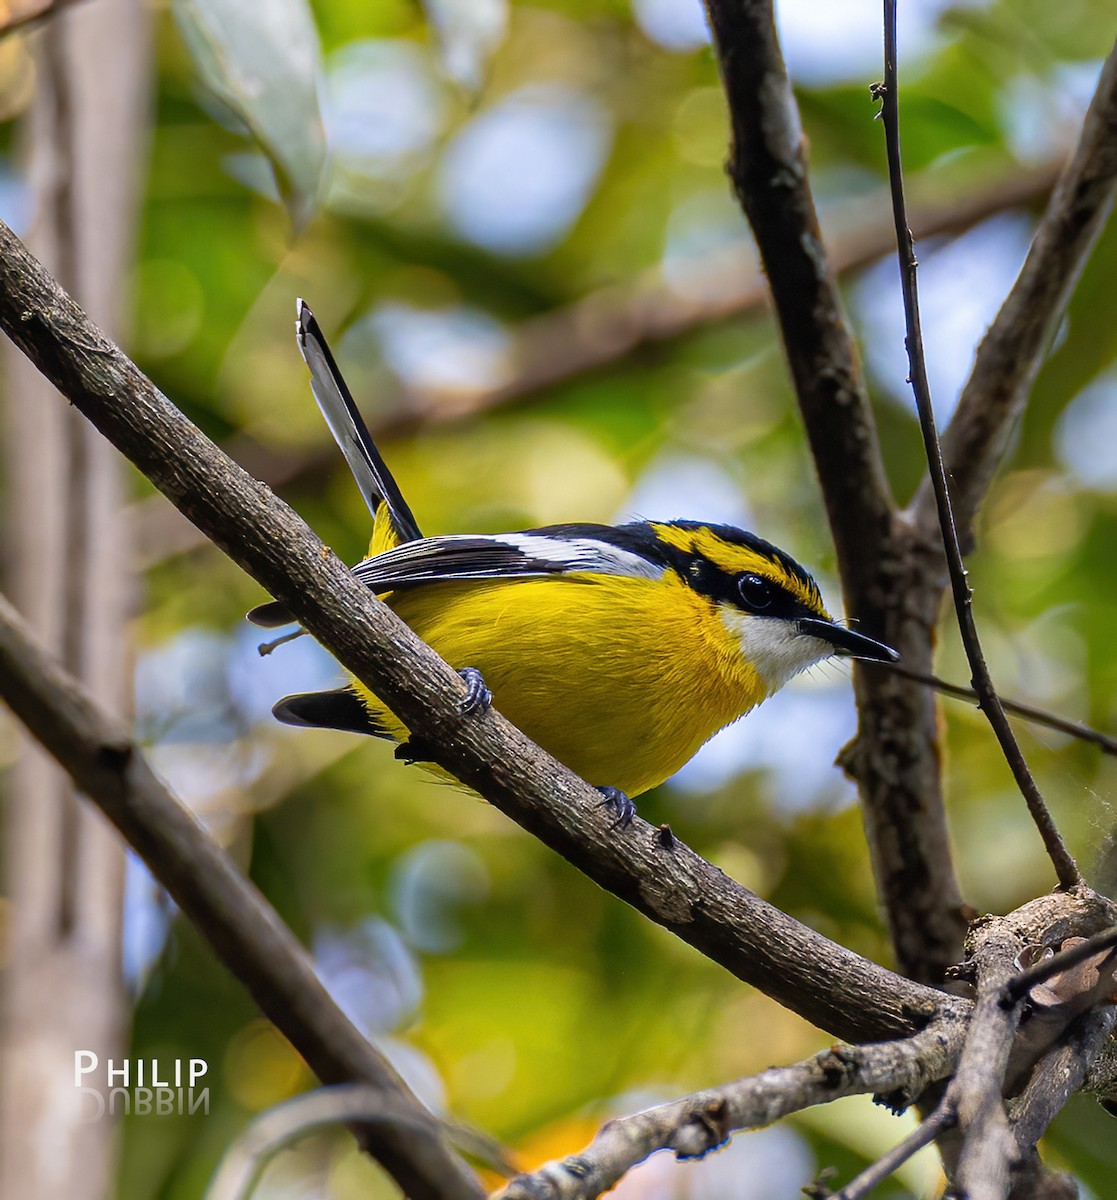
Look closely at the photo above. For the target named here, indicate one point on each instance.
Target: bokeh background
(525, 251)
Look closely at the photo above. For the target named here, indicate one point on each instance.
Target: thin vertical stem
(988, 701)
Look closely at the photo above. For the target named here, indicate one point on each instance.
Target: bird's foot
(478, 698)
(616, 801)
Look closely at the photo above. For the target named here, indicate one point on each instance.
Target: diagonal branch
(888, 1164)
(1058, 1075)
(1042, 971)
(979, 1048)
(239, 924)
(1062, 1029)
(1027, 712)
(694, 1125)
(617, 321)
(1011, 353)
(987, 1151)
(648, 868)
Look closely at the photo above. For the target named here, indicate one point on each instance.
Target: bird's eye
(755, 592)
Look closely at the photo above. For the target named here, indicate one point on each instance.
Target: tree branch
(239, 924)
(1017, 342)
(602, 330)
(898, 1072)
(985, 1153)
(1058, 1075)
(617, 321)
(697, 1124)
(767, 164)
(1042, 971)
(650, 869)
(988, 1150)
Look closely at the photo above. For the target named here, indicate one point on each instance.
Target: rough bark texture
(893, 571)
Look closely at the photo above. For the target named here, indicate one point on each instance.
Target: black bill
(846, 642)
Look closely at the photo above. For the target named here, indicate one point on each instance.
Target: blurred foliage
(516, 161)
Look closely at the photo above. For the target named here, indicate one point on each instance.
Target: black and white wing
(630, 550)
(349, 430)
(558, 550)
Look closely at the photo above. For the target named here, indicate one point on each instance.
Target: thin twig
(1027, 712)
(1065, 867)
(895, 759)
(923, 1135)
(353, 1104)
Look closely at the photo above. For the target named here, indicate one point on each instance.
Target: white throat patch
(773, 646)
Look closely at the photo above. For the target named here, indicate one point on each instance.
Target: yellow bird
(618, 649)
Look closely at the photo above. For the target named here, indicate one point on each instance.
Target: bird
(619, 649)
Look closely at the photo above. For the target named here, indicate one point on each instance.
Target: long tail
(349, 430)
(393, 520)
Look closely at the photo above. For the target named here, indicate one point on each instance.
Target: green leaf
(264, 63)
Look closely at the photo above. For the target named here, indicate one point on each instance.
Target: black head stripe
(723, 586)
(742, 537)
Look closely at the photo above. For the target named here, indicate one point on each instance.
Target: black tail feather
(271, 615)
(339, 709)
(350, 432)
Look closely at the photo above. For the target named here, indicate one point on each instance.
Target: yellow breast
(621, 679)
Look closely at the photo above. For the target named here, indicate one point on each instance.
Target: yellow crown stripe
(736, 559)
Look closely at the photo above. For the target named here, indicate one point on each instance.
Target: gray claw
(614, 799)
(478, 698)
